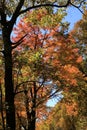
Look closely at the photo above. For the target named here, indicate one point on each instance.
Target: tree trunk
(9, 86)
(32, 124)
(1, 108)
(73, 127)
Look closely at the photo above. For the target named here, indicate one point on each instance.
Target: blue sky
(73, 16)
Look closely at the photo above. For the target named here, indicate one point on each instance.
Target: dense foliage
(39, 59)
(70, 112)
(42, 64)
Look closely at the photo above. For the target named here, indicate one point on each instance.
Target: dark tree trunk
(32, 120)
(32, 124)
(1, 108)
(33, 112)
(9, 87)
(73, 127)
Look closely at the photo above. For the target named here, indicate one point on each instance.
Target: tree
(39, 60)
(34, 80)
(59, 118)
(8, 18)
(79, 32)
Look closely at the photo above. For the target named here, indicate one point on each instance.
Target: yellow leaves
(35, 57)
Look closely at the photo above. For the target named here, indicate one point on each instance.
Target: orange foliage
(71, 108)
(58, 61)
(58, 50)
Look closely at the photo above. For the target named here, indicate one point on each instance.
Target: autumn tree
(59, 118)
(9, 12)
(41, 64)
(79, 32)
(35, 73)
(64, 115)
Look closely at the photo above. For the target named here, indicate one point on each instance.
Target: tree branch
(81, 3)
(44, 5)
(48, 97)
(22, 91)
(18, 42)
(16, 13)
(18, 10)
(25, 83)
(78, 7)
(40, 85)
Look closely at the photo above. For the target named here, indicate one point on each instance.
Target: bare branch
(22, 91)
(18, 42)
(78, 7)
(81, 3)
(48, 96)
(44, 5)
(41, 84)
(54, 93)
(17, 86)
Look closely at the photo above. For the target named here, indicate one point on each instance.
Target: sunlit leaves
(58, 119)
(51, 48)
(80, 34)
(46, 60)
(43, 18)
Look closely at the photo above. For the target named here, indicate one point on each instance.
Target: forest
(42, 60)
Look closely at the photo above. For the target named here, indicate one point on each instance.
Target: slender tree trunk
(1, 108)
(31, 116)
(33, 122)
(9, 87)
(73, 127)
(33, 112)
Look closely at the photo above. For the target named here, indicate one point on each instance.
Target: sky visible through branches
(73, 15)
